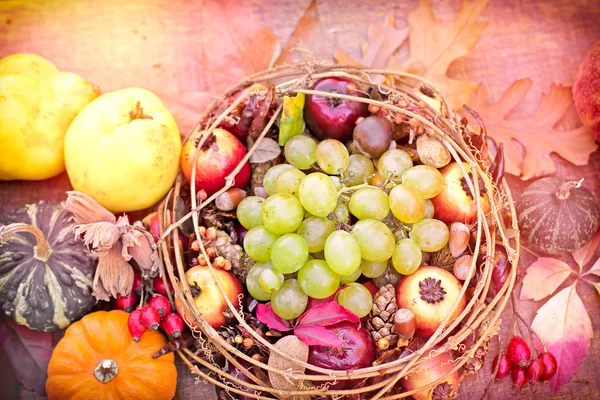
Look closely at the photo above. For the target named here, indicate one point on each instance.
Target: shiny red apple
(330, 117)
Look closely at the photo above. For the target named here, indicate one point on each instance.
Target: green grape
(375, 239)
(248, 212)
(406, 204)
(317, 279)
(289, 253)
(282, 213)
(429, 210)
(356, 298)
(336, 183)
(270, 178)
(342, 253)
(430, 234)
(359, 169)
(289, 181)
(315, 231)
(425, 179)
(258, 242)
(252, 281)
(300, 151)
(351, 277)
(317, 194)
(289, 301)
(270, 280)
(373, 269)
(332, 156)
(407, 256)
(341, 212)
(393, 163)
(369, 203)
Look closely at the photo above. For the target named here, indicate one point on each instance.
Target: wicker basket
(422, 103)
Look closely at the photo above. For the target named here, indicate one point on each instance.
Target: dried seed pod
(432, 152)
(462, 266)
(405, 323)
(230, 199)
(459, 238)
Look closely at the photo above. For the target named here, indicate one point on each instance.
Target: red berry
(504, 367)
(518, 351)
(159, 286)
(172, 325)
(550, 365)
(150, 317)
(519, 377)
(137, 282)
(135, 325)
(161, 304)
(126, 303)
(535, 370)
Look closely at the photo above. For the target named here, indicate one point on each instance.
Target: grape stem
(353, 188)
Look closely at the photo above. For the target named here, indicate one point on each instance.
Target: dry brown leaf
(528, 141)
(382, 42)
(433, 47)
(310, 35)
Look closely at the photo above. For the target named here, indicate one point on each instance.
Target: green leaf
(292, 121)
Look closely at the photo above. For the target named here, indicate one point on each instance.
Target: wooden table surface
(155, 44)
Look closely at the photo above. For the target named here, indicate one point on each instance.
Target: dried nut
(405, 323)
(230, 199)
(462, 266)
(432, 152)
(459, 238)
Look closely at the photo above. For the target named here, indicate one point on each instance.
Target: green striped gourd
(45, 274)
(557, 216)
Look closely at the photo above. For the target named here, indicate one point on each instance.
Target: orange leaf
(382, 42)
(564, 326)
(585, 254)
(595, 270)
(528, 141)
(543, 277)
(310, 35)
(433, 47)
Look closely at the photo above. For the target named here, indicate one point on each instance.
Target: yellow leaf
(433, 47)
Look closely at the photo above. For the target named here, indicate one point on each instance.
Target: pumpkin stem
(106, 370)
(564, 191)
(40, 252)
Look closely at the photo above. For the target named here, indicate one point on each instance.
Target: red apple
(150, 221)
(430, 293)
(455, 202)
(358, 351)
(219, 156)
(207, 295)
(330, 117)
(586, 90)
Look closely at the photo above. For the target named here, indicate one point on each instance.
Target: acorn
(459, 238)
(462, 266)
(405, 323)
(432, 152)
(230, 199)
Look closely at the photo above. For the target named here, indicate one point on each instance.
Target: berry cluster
(208, 237)
(156, 314)
(518, 363)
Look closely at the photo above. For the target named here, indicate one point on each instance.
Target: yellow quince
(37, 104)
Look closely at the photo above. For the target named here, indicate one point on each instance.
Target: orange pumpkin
(98, 359)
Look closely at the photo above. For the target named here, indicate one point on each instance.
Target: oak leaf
(382, 42)
(543, 277)
(434, 47)
(529, 141)
(564, 326)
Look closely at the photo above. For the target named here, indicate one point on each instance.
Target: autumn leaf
(310, 35)
(585, 254)
(543, 277)
(382, 42)
(529, 141)
(434, 47)
(267, 150)
(563, 325)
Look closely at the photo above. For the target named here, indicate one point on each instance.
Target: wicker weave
(480, 311)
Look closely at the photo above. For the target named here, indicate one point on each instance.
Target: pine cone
(381, 319)
(443, 259)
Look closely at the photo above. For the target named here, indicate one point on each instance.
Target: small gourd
(557, 216)
(45, 273)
